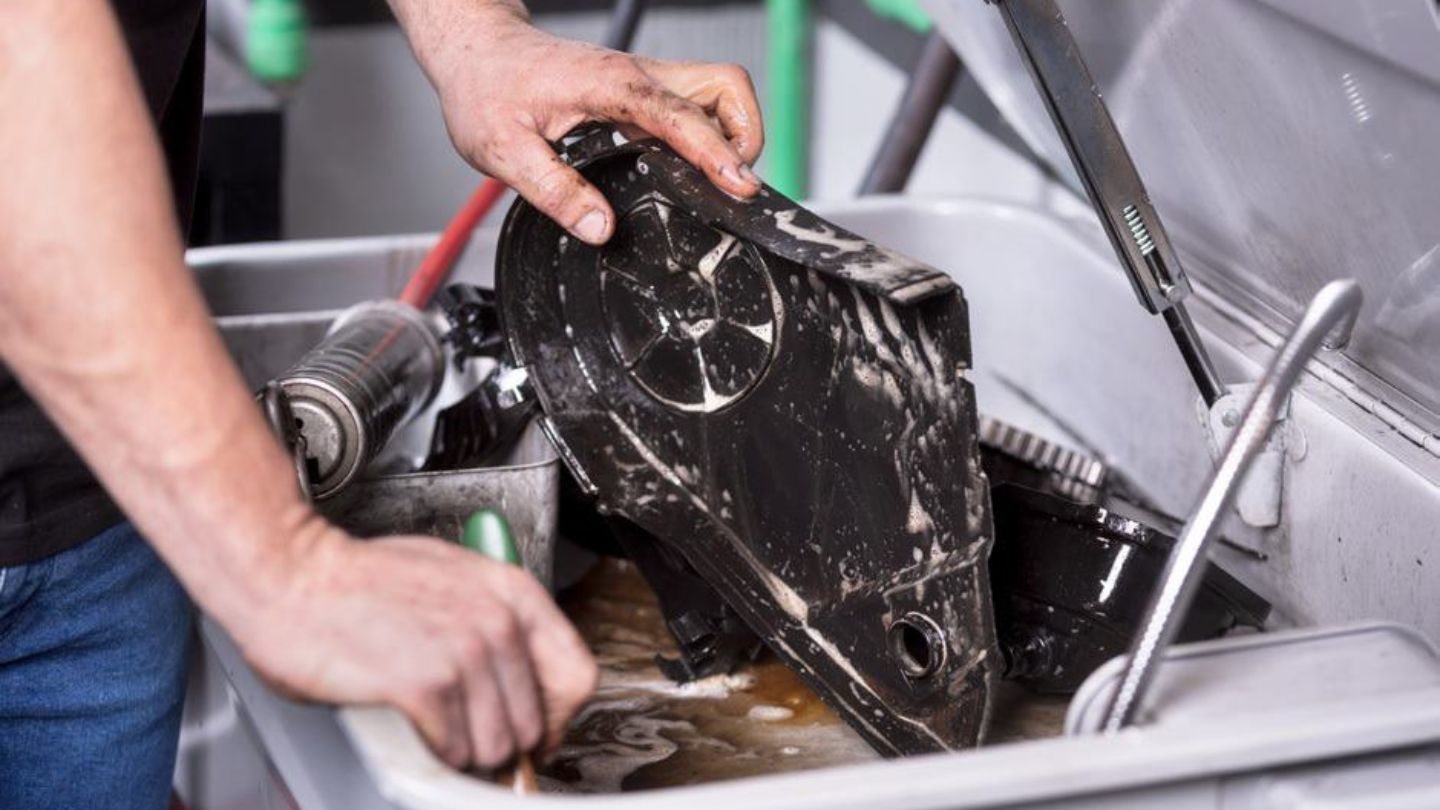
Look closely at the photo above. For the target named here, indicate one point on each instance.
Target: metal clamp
(1260, 500)
(1333, 310)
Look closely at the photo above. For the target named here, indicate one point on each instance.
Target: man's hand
(473, 651)
(508, 89)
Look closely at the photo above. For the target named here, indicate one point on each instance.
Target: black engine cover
(784, 404)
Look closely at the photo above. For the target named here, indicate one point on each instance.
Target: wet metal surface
(525, 489)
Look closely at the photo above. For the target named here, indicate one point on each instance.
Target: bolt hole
(917, 645)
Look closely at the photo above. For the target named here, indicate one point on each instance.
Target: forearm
(442, 32)
(101, 321)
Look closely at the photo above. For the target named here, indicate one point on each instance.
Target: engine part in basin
(378, 367)
(1073, 568)
(786, 405)
(1072, 473)
(710, 636)
(474, 321)
(486, 422)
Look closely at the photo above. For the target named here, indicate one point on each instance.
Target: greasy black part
(474, 322)
(840, 490)
(782, 227)
(1072, 578)
(711, 637)
(579, 522)
(476, 431)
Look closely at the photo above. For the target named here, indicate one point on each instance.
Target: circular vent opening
(917, 645)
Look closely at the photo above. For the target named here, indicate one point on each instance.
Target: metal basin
(1060, 349)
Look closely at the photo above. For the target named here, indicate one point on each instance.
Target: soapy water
(642, 731)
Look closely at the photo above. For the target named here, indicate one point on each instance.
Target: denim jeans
(93, 647)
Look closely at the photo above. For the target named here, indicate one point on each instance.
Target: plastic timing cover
(784, 404)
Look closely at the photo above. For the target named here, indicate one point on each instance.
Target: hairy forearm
(103, 324)
(442, 32)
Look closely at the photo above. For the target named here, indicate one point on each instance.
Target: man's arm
(102, 323)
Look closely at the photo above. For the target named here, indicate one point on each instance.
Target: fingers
(529, 165)
(566, 670)
(682, 124)
(510, 673)
(484, 715)
(437, 711)
(486, 707)
(724, 91)
(739, 116)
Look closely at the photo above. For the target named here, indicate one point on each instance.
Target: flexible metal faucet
(1328, 320)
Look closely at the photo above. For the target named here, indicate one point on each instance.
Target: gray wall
(367, 151)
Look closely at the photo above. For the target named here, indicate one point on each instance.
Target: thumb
(531, 167)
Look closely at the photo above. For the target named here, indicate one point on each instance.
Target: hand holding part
(509, 89)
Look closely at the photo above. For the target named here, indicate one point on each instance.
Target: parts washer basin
(1060, 349)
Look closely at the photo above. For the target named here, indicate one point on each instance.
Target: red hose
(436, 266)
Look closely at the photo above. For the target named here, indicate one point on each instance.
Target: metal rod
(1187, 340)
(925, 96)
(624, 20)
(1106, 170)
(1334, 308)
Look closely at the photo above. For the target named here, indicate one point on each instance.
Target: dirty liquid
(642, 731)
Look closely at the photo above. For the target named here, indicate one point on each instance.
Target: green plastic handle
(488, 532)
(275, 42)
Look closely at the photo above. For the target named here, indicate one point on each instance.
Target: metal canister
(379, 366)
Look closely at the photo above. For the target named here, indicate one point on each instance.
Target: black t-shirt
(49, 501)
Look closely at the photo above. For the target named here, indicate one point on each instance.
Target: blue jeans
(93, 648)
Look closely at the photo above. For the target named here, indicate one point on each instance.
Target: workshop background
(358, 145)
(1290, 146)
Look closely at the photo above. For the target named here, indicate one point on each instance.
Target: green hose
(906, 12)
(787, 124)
(275, 48)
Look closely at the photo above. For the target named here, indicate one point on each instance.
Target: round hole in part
(917, 645)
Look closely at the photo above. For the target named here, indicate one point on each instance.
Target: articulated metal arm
(1109, 175)
(1336, 305)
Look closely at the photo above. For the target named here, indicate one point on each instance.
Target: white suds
(770, 714)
